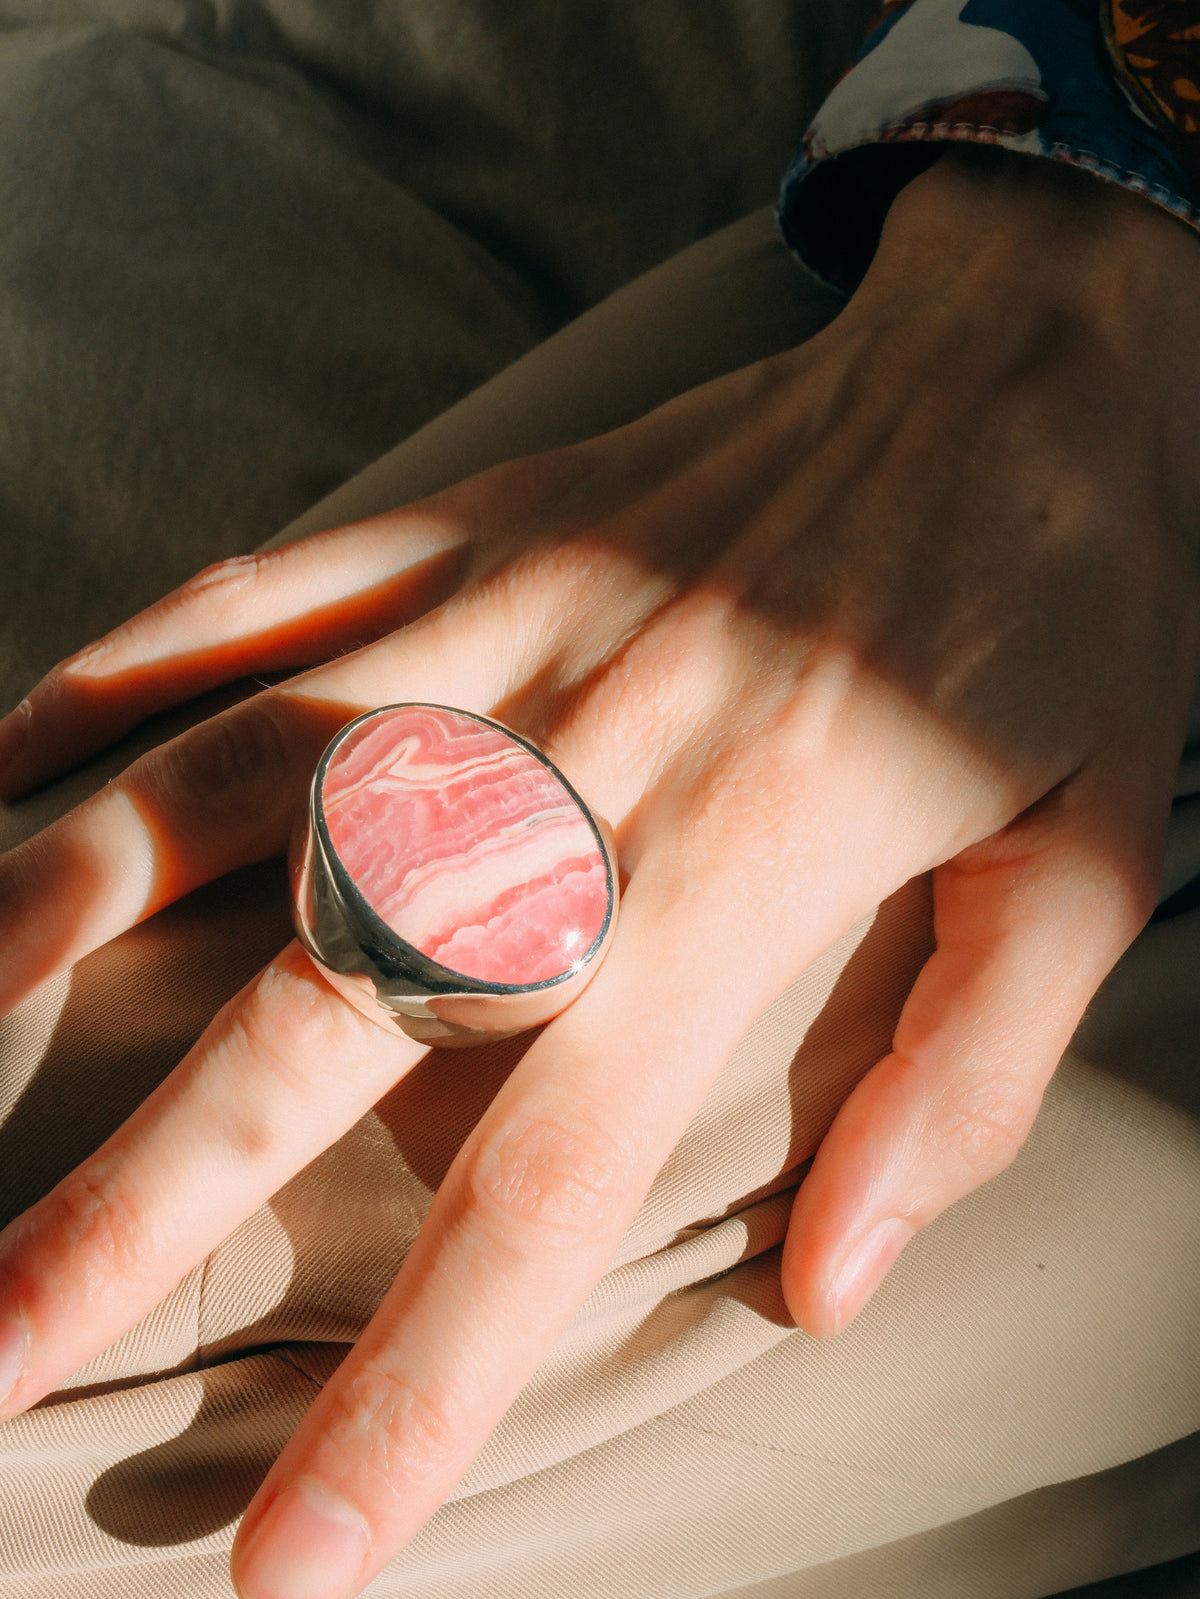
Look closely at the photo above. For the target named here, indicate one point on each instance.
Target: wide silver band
(391, 981)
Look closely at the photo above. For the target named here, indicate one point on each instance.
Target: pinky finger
(286, 608)
(1028, 925)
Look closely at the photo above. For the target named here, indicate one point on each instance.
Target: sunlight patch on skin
(138, 889)
(340, 571)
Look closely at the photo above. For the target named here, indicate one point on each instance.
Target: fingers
(280, 609)
(290, 607)
(524, 1224)
(230, 790)
(226, 792)
(531, 1212)
(1028, 924)
(281, 1073)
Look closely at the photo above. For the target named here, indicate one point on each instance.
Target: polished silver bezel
(388, 978)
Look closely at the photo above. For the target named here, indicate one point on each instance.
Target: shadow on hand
(132, 1011)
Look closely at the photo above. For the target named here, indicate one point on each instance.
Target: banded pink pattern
(465, 845)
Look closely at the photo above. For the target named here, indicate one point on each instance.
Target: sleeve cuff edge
(824, 263)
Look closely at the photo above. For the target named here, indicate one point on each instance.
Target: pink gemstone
(465, 845)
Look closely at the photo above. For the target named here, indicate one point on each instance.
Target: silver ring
(448, 880)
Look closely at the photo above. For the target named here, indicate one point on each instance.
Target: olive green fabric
(252, 245)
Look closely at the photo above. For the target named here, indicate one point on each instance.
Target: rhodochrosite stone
(465, 845)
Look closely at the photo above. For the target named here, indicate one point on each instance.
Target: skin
(919, 596)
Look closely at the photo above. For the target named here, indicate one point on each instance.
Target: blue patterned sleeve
(1050, 78)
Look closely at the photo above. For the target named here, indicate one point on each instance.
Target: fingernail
(14, 730)
(864, 1268)
(311, 1544)
(13, 1350)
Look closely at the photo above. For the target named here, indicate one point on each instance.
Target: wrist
(1047, 232)
(1023, 260)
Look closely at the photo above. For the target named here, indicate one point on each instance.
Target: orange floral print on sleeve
(1155, 49)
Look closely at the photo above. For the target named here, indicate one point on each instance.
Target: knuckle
(288, 1007)
(1129, 900)
(724, 801)
(295, 1016)
(231, 587)
(394, 1433)
(91, 1218)
(548, 1175)
(228, 582)
(228, 767)
(983, 1139)
(69, 680)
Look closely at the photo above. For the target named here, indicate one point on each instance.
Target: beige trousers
(1009, 1418)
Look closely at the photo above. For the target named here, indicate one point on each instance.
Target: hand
(919, 596)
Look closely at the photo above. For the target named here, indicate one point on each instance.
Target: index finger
(248, 615)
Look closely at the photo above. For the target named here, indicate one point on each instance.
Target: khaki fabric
(1010, 1417)
(250, 244)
